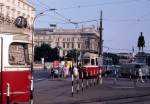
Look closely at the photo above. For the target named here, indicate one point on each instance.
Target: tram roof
(17, 37)
(89, 54)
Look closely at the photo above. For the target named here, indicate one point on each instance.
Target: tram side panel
(19, 86)
(91, 72)
(1, 70)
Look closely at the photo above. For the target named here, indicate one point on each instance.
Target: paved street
(58, 91)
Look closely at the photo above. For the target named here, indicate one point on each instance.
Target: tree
(42, 52)
(114, 57)
(46, 52)
(141, 42)
(73, 55)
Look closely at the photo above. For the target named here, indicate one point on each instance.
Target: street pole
(1, 70)
(34, 19)
(100, 33)
(32, 57)
(100, 46)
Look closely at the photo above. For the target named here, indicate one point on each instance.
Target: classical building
(9, 11)
(84, 39)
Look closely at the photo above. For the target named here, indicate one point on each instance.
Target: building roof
(83, 31)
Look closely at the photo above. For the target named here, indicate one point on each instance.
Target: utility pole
(100, 61)
(100, 33)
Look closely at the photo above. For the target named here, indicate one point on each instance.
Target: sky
(123, 20)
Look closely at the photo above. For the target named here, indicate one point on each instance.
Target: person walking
(66, 71)
(75, 71)
(52, 73)
(141, 75)
(135, 75)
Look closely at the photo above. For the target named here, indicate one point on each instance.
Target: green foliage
(46, 52)
(114, 57)
(73, 54)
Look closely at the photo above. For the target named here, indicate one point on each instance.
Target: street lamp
(32, 59)
(34, 19)
(32, 56)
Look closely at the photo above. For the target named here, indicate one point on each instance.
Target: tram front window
(92, 62)
(18, 54)
(86, 61)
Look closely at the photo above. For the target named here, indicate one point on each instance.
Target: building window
(87, 44)
(18, 3)
(68, 39)
(72, 45)
(67, 45)
(72, 38)
(79, 46)
(64, 39)
(41, 37)
(18, 13)
(63, 45)
(63, 53)
(57, 44)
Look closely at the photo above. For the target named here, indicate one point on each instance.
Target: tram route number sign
(21, 22)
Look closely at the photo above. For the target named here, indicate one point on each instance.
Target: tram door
(1, 63)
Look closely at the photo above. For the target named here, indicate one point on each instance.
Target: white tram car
(15, 71)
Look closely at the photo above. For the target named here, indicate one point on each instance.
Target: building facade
(10, 10)
(85, 39)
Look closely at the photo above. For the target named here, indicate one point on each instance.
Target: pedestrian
(116, 74)
(80, 70)
(115, 79)
(76, 72)
(141, 75)
(66, 71)
(52, 73)
(135, 75)
(130, 74)
(62, 72)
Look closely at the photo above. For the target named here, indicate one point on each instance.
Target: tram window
(92, 62)
(18, 54)
(86, 61)
(96, 61)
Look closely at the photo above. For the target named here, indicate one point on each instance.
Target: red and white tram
(15, 73)
(91, 69)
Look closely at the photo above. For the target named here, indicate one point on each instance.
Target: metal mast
(100, 33)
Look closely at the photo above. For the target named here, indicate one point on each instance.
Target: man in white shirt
(75, 71)
(141, 75)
